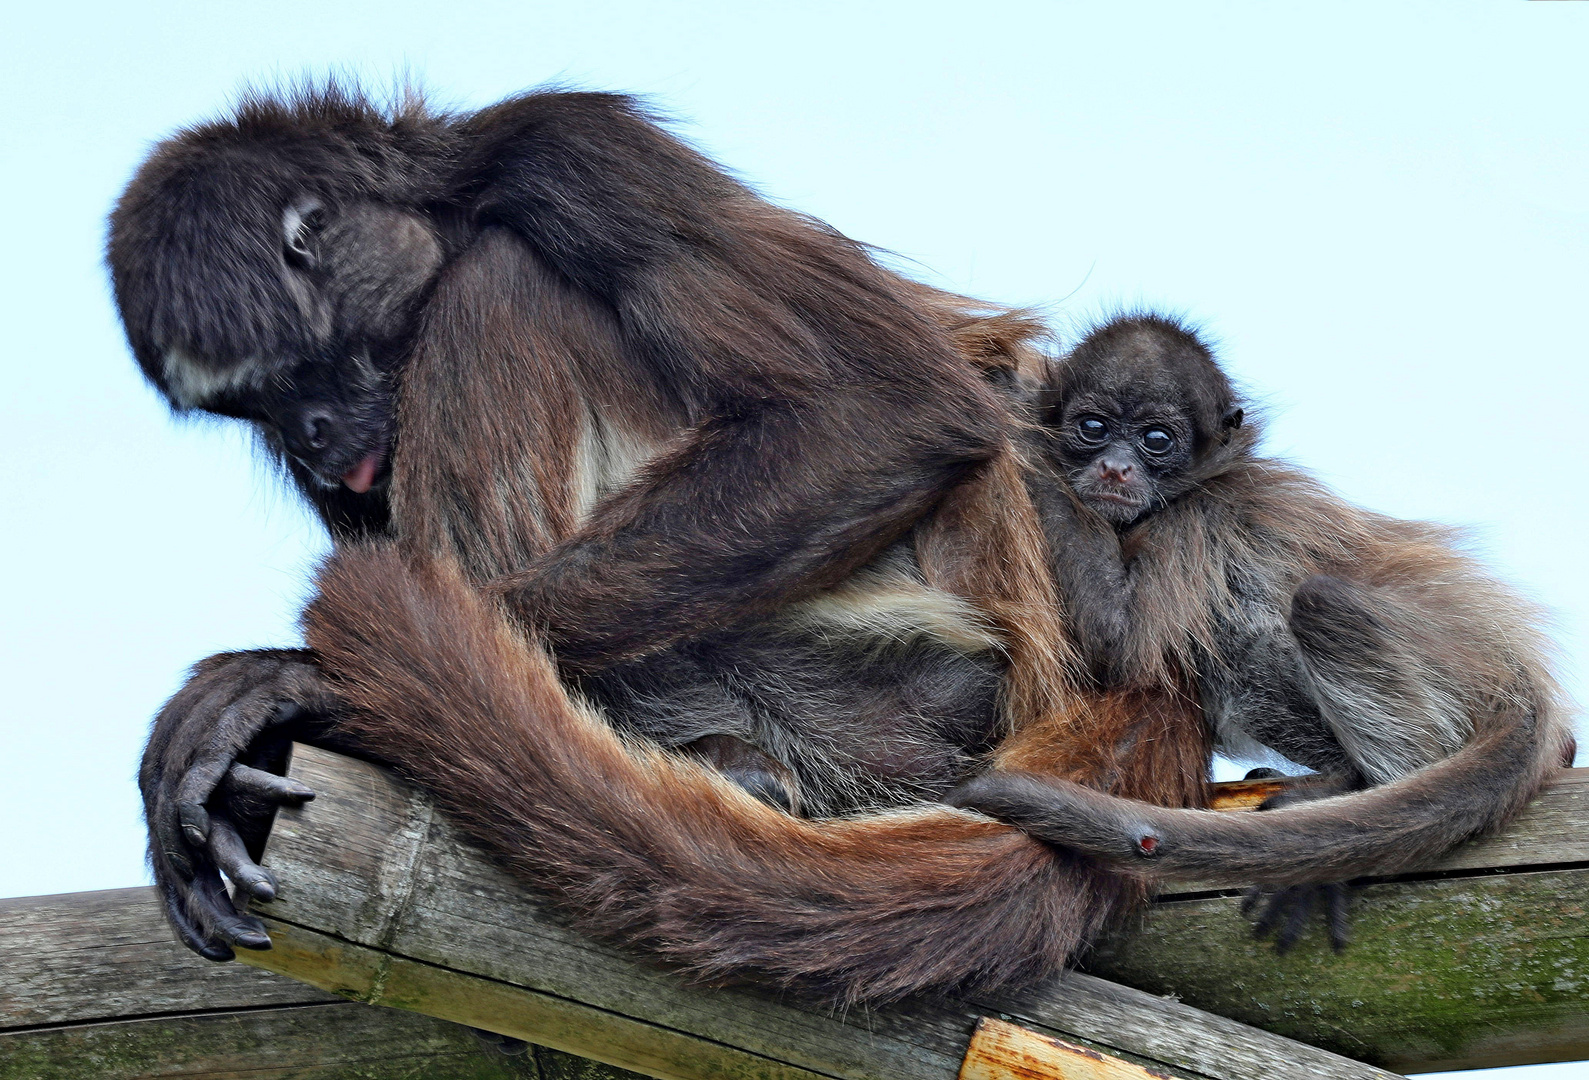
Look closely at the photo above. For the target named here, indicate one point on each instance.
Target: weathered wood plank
(1465, 972)
(339, 1041)
(94, 987)
(98, 955)
(1479, 960)
(381, 899)
(1003, 1051)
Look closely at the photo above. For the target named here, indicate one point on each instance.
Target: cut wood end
(1003, 1051)
(1245, 794)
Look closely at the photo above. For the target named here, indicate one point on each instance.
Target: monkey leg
(1138, 744)
(822, 724)
(1375, 669)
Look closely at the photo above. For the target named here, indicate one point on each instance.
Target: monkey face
(329, 418)
(276, 280)
(1138, 414)
(1122, 458)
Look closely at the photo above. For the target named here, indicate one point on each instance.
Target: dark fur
(823, 544)
(1362, 646)
(826, 514)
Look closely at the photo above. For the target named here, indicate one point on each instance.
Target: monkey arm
(1089, 571)
(751, 513)
(825, 410)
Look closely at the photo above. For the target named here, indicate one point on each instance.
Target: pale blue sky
(1381, 210)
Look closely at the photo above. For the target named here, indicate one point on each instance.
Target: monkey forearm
(752, 514)
(1089, 573)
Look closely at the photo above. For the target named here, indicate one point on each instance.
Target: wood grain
(383, 901)
(93, 986)
(1003, 1051)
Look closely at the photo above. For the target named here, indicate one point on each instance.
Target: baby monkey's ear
(1232, 419)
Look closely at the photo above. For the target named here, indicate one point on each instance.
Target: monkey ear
(1232, 419)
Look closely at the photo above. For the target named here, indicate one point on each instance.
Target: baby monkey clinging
(1366, 648)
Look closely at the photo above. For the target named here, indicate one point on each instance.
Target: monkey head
(271, 269)
(1138, 414)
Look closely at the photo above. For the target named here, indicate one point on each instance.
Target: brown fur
(651, 415)
(651, 851)
(1360, 645)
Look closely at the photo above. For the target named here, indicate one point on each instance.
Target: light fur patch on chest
(608, 457)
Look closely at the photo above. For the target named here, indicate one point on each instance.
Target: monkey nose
(317, 427)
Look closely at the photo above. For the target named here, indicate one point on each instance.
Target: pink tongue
(361, 477)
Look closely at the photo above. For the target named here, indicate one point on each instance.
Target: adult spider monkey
(704, 448)
(660, 415)
(1364, 647)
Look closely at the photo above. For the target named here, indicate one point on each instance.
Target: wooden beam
(1479, 961)
(94, 987)
(382, 901)
(1004, 1051)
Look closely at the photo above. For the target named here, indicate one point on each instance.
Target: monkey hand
(208, 797)
(1285, 911)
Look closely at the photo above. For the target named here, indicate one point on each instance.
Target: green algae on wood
(1461, 972)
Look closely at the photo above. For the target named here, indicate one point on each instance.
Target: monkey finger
(1335, 897)
(189, 934)
(195, 822)
(215, 906)
(236, 726)
(1273, 912)
(252, 783)
(173, 856)
(231, 856)
(1301, 907)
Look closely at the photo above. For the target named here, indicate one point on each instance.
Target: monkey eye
(1092, 429)
(299, 223)
(1157, 441)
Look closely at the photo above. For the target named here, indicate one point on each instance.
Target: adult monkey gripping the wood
(705, 450)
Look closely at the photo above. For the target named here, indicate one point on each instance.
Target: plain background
(1378, 210)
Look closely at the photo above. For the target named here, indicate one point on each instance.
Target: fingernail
(252, 939)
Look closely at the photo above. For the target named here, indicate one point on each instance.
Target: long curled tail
(652, 852)
(1383, 830)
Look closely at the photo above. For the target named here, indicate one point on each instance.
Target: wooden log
(1482, 960)
(95, 987)
(382, 901)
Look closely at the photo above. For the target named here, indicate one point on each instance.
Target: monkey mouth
(361, 477)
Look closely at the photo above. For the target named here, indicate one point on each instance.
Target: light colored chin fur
(192, 384)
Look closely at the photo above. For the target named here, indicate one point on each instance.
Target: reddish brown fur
(652, 851)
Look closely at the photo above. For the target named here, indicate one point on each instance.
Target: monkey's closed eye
(1093, 429)
(1157, 441)
(299, 224)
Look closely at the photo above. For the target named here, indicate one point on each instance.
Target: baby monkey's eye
(1093, 429)
(1157, 441)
